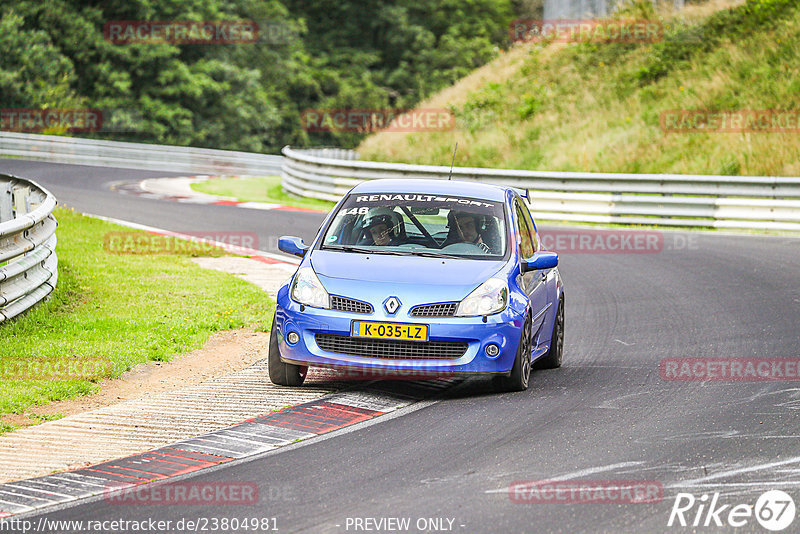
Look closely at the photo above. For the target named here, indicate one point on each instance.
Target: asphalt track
(607, 414)
(89, 190)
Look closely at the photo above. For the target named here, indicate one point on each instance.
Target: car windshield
(418, 224)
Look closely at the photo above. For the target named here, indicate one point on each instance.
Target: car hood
(403, 269)
(341, 272)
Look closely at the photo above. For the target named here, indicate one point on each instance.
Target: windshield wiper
(348, 248)
(433, 254)
(362, 250)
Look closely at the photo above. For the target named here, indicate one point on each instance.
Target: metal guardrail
(94, 152)
(28, 261)
(741, 202)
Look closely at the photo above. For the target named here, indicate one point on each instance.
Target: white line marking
(739, 471)
(737, 484)
(46, 492)
(225, 246)
(609, 404)
(258, 205)
(578, 474)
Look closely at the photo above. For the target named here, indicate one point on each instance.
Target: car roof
(434, 187)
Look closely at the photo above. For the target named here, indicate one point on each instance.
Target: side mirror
(292, 245)
(540, 260)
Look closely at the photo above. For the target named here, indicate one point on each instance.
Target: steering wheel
(467, 248)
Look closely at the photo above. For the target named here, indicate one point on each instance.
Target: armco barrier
(28, 262)
(742, 202)
(136, 155)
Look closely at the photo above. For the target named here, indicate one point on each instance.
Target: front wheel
(521, 372)
(280, 373)
(552, 360)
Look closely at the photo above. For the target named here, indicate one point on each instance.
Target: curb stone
(248, 438)
(179, 189)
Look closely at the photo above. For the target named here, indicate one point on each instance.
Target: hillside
(599, 106)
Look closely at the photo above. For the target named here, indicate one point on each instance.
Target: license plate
(408, 332)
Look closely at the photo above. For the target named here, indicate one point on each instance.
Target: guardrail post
(22, 202)
(6, 202)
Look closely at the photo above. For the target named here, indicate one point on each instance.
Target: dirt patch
(224, 353)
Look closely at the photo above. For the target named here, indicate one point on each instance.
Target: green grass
(258, 189)
(111, 312)
(45, 417)
(597, 106)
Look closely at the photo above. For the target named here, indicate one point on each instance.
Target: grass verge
(258, 189)
(111, 312)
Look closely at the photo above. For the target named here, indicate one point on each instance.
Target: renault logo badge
(392, 304)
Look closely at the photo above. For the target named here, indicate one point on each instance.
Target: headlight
(308, 290)
(490, 297)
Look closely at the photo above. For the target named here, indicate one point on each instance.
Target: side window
(531, 227)
(526, 246)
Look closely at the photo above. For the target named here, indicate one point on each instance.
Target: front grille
(391, 349)
(444, 309)
(350, 305)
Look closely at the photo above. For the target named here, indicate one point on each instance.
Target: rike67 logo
(774, 510)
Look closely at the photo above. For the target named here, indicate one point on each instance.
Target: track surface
(606, 415)
(89, 190)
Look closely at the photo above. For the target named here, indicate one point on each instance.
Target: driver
(382, 230)
(467, 225)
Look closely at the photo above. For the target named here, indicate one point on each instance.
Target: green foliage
(335, 54)
(530, 105)
(482, 107)
(683, 42)
(33, 71)
(730, 167)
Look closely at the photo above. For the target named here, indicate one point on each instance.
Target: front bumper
(502, 329)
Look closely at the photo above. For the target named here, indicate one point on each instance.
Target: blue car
(421, 278)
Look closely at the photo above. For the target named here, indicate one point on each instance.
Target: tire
(552, 360)
(521, 372)
(280, 373)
